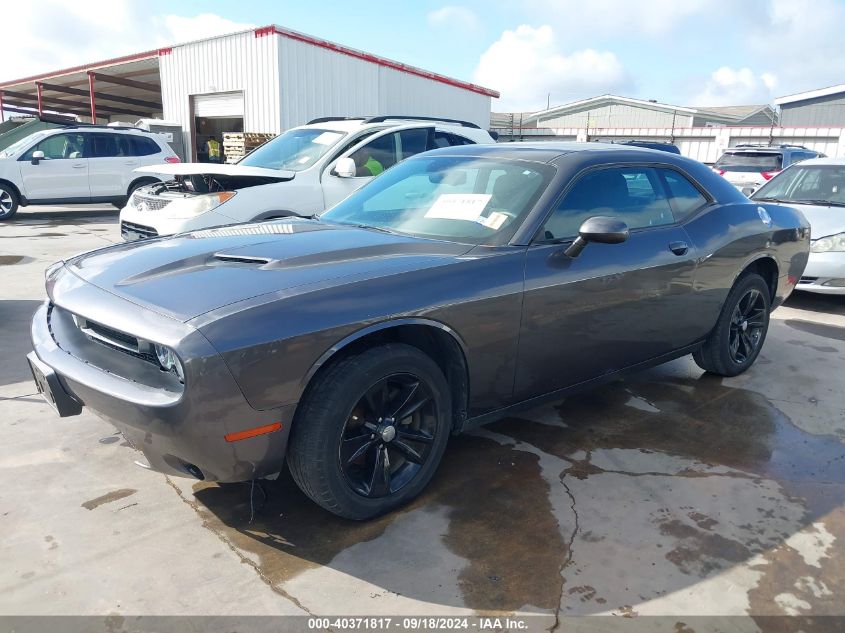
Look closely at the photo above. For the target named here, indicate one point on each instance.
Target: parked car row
(461, 284)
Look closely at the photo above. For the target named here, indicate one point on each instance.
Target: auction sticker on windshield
(459, 206)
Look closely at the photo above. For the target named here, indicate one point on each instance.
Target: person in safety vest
(214, 150)
(372, 167)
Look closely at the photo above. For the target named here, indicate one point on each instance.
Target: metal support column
(38, 90)
(93, 100)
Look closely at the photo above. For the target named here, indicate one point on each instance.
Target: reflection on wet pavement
(669, 492)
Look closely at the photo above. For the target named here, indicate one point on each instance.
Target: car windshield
(15, 147)
(294, 150)
(750, 161)
(457, 199)
(810, 184)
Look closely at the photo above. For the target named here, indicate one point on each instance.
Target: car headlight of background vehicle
(831, 243)
(169, 361)
(207, 202)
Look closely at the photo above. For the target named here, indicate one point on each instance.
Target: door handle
(679, 248)
(79, 166)
(131, 162)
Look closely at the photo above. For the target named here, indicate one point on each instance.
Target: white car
(750, 166)
(78, 164)
(301, 172)
(817, 188)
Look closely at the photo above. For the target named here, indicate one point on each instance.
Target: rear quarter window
(143, 146)
(684, 196)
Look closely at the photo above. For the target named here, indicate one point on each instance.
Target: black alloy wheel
(388, 436)
(747, 323)
(371, 430)
(740, 331)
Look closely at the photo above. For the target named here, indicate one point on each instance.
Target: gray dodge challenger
(456, 287)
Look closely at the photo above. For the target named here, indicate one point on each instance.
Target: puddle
(699, 419)
(114, 495)
(497, 532)
(501, 522)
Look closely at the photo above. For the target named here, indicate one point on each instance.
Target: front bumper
(180, 429)
(825, 274)
(136, 224)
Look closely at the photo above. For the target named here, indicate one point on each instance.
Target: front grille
(150, 203)
(132, 231)
(115, 339)
(808, 280)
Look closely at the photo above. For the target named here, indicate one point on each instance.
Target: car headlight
(206, 202)
(831, 243)
(168, 361)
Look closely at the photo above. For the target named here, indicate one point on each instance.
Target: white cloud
(736, 86)
(453, 16)
(50, 35)
(585, 19)
(526, 64)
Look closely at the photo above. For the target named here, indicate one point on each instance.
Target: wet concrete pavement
(671, 493)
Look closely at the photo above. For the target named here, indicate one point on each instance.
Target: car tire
(341, 437)
(736, 341)
(9, 202)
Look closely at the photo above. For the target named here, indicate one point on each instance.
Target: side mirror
(37, 156)
(600, 229)
(345, 168)
(747, 191)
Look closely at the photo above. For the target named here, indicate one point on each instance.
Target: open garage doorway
(212, 116)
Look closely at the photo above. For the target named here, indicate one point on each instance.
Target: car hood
(823, 220)
(212, 169)
(193, 273)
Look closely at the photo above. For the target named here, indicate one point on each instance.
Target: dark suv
(748, 167)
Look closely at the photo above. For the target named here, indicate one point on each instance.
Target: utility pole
(548, 100)
(672, 137)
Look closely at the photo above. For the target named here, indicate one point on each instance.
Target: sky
(535, 52)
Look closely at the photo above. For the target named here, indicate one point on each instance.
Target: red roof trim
(381, 61)
(85, 67)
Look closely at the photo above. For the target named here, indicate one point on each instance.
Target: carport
(122, 89)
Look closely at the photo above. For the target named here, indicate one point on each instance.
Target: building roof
(812, 94)
(737, 112)
(609, 99)
(134, 80)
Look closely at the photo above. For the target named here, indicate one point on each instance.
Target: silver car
(817, 188)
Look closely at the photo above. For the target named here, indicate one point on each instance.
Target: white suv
(78, 164)
(302, 172)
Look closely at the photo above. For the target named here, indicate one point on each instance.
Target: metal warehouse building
(817, 108)
(612, 111)
(262, 80)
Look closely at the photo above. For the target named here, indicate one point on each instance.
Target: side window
(60, 146)
(684, 196)
(142, 146)
(633, 194)
(109, 145)
(445, 139)
(349, 145)
(376, 156)
(413, 141)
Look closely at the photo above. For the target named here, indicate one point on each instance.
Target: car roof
(353, 125)
(547, 151)
(823, 161)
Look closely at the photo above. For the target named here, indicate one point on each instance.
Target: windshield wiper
(770, 199)
(825, 203)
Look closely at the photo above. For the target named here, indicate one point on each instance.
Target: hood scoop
(252, 260)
